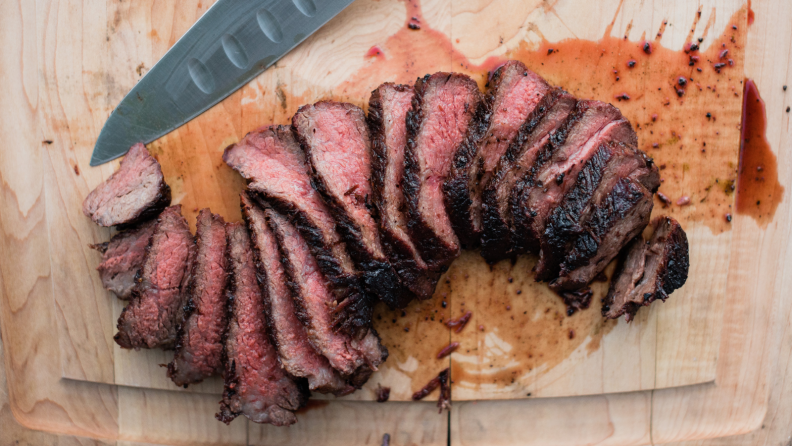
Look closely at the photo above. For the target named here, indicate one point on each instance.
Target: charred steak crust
(521, 158)
(512, 93)
(157, 304)
(297, 355)
(135, 192)
(122, 258)
(199, 345)
(255, 384)
(388, 107)
(335, 139)
(649, 270)
(440, 99)
(279, 178)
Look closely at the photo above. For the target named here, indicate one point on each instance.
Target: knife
(233, 42)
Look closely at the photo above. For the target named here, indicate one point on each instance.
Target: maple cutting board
(89, 68)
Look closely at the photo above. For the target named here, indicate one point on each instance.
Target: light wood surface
(39, 399)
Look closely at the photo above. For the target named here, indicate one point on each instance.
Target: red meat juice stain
(750, 13)
(758, 190)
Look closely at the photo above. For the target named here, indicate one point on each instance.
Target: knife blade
(233, 42)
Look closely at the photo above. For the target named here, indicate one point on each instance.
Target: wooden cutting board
(71, 96)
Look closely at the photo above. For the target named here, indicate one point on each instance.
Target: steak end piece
(513, 92)
(274, 164)
(122, 258)
(199, 345)
(521, 159)
(157, 303)
(255, 384)
(136, 192)
(296, 353)
(649, 270)
(443, 107)
(335, 139)
(354, 358)
(388, 107)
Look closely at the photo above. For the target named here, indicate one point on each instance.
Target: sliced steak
(136, 192)
(335, 139)
(513, 92)
(649, 270)
(610, 162)
(388, 107)
(443, 108)
(538, 193)
(296, 353)
(200, 345)
(498, 240)
(255, 384)
(315, 303)
(157, 303)
(621, 216)
(122, 258)
(274, 164)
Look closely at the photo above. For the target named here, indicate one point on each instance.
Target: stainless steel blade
(229, 45)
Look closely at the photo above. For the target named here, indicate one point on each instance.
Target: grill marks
(512, 94)
(255, 384)
(335, 139)
(296, 353)
(156, 307)
(136, 192)
(443, 108)
(388, 107)
(274, 164)
(199, 348)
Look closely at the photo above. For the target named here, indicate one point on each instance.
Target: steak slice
(443, 108)
(622, 215)
(335, 139)
(255, 384)
(539, 192)
(315, 303)
(274, 164)
(297, 355)
(498, 238)
(611, 161)
(122, 258)
(157, 303)
(649, 270)
(513, 92)
(200, 345)
(136, 192)
(388, 107)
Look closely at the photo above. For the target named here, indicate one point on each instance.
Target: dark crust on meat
(496, 241)
(671, 274)
(119, 269)
(379, 277)
(401, 252)
(437, 253)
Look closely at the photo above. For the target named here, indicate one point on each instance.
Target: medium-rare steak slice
(335, 139)
(610, 162)
(199, 345)
(297, 355)
(255, 384)
(444, 105)
(649, 271)
(122, 258)
(274, 164)
(622, 215)
(354, 358)
(157, 304)
(388, 107)
(521, 157)
(513, 92)
(538, 193)
(136, 192)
